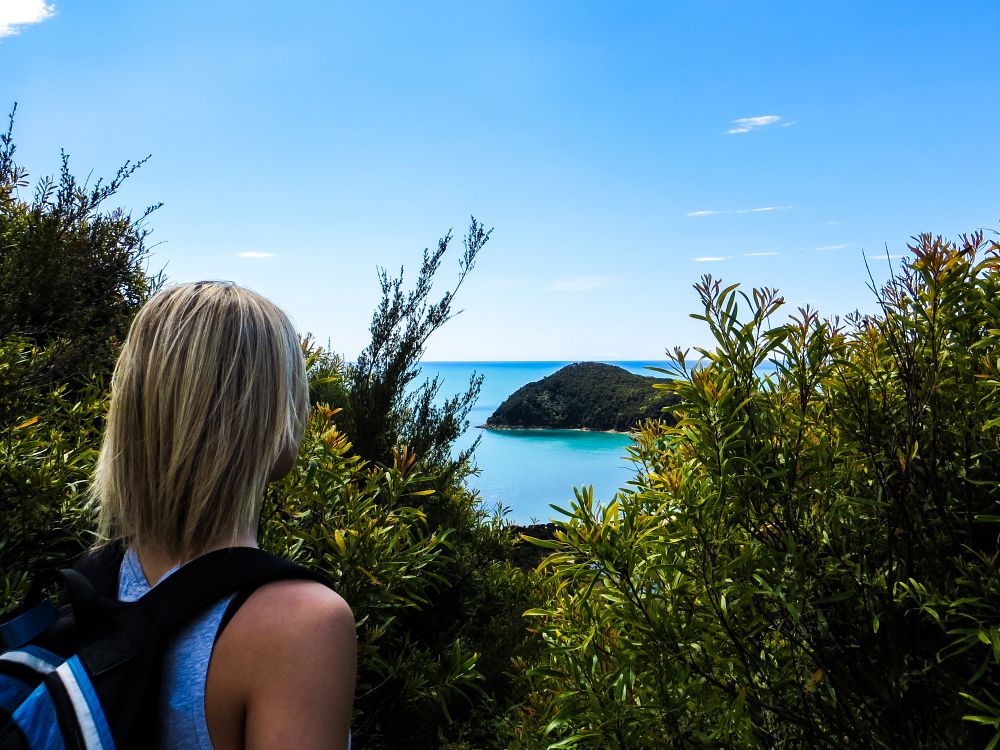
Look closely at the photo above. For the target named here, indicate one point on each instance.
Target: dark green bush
(72, 274)
(436, 666)
(389, 519)
(437, 623)
(48, 447)
(385, 408)
(809, 557)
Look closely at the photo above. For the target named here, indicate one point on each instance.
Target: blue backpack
(85, 675)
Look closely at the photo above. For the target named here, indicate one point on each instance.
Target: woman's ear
(284, 462)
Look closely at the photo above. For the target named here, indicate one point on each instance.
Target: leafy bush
(361, 525)
(809, 557)
(435, 666)
(384, 408)
(336, 514)
(327, 374)
(47, 452)
(438, 611)
(72, 274)
(423, 566)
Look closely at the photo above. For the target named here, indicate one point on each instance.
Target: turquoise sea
(527, 470)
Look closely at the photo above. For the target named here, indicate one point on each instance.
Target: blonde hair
(208, 394)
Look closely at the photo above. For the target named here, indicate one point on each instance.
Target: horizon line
(530, 361)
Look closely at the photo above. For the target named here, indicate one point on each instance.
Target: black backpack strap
(232, 608)
(102, 566)
(37, 613)
(211, 577)
(88, 610)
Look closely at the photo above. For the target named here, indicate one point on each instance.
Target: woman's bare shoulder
(295, 609)
(290, 655)
(284, 629)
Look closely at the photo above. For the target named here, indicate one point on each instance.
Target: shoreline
(518, 428)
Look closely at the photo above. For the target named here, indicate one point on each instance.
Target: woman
(208, 405)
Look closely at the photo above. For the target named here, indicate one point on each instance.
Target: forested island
(585, 396)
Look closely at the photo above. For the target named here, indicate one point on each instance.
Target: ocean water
(528, 470)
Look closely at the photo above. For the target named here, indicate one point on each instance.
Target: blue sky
(620, 150)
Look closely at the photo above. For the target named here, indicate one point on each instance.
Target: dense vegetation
(439, 608)
(585, 395)
(378, 502)
(807, 558)
(72, 275)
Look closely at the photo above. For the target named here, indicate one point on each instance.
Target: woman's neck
(156, 562)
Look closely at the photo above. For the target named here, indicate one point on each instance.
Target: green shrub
(439, 608)
(809, 557)
(47, 452)
(438, 611)
(72, 275)
(472, 615)
(72, 272)
(357, 524)
(385, 408)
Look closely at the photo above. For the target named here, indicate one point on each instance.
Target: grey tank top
(185, 665)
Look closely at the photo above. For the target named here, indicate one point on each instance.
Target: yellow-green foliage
(426, 609)
(72, 275)
(809, 557)
(439, 609)
(361, 524)
(72, 270)
(358, 524)
(48, 445)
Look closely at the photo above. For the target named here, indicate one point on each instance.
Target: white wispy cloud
(710, 258)
(759, 255)
(838, 246)
(746, 124)
(255, 255)
(582, 283)
(14, 13)
(764, 210)
(719, 212)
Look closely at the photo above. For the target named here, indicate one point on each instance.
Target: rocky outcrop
(526, 555)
